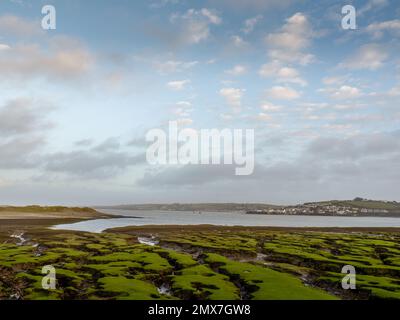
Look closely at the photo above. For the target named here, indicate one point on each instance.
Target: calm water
(142, 218)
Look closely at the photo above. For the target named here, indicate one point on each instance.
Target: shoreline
(207, 227)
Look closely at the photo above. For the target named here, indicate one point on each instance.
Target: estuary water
(142, 218)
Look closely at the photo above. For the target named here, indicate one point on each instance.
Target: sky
(76, 102)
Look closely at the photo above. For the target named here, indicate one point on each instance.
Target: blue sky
(76, 102)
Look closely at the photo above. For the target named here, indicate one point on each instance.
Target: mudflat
(56, 212)
(195, 262)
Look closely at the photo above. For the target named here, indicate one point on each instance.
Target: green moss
(183, 260)
(202, 283)
(229, 264)
(379, 287)
(129, 289)
(268, 284)
(114, 268)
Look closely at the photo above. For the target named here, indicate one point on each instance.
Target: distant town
(355, 207)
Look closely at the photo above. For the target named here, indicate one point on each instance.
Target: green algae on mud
(214, 263)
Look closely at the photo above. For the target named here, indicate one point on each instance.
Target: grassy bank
(52, 212)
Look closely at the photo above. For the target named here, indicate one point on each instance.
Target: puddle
(148, 241)
(164, 289)
(20, 237)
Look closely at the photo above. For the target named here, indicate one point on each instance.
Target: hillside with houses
(354, 208)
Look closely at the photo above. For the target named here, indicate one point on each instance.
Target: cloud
(64, 59)
(325, 167)
(162, 3)
(370, 56)
(4, 47)
(237, 70)
(373, 4)
(22, 132)
(17, 26)
(189, 175)
(346, 92)
(238, 42)
(262, 116)
(253, 5)
(195, 24)
(377, 29)
(173, 66)
(182, 109)
(84, 143)
(283, 93)
(395, 91)
(110, 144)
(21, 117)
(184, 121)
(102, 161)
(178, 85)
(20, 152)
(333, 80)
(233, 96)
(267, 106)
(250, 24)
(281, 74)
(290, 42)
(212, 16)
(356, 147)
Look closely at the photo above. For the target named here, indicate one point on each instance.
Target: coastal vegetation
(222, 263)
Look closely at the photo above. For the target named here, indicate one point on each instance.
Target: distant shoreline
(342, 208)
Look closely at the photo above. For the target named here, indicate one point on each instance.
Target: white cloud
(212, 16)
(178, 84)
(226, 117)
(264, 117)
(369, 56)
(267, 106)
(65, 58)
(184, 104)
(4, 47)
(13, 25)
(290, 75)
(184, 121)
(270, 69)
(237, 70)
(171, 66)
(183, 109)
(233, 96)
(346, 92)
(395, 91)
(281, 74)
(333, 80)
(195, 24)
(250, 24)
(283, 93)
(238, 41)
(290, 42)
